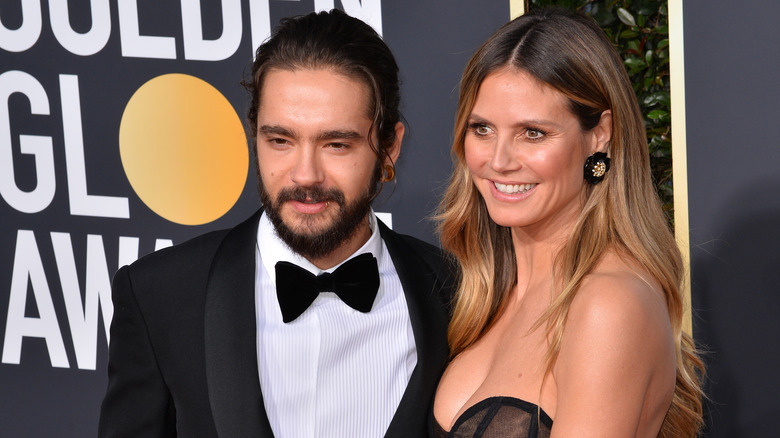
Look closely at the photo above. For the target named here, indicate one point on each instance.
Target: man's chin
(313, 240)
(308, 225)
(318, 234)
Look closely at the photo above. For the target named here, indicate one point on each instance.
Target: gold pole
(517, 8)
(679, 154)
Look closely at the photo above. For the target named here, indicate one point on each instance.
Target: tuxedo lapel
(422, 285)
(230, 337)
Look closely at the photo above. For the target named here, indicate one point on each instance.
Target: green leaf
(658, 115)
(626, 17)
(659, 97)
(604, 18)
(634, 65)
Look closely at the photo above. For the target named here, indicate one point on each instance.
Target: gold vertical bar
(679, 153)
(517, 8)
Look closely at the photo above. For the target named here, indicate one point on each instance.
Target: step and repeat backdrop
(122, 131)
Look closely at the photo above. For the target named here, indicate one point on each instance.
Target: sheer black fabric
(498, 417)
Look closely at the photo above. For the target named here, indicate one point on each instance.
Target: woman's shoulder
(619, 288)
(617, 357)
(620, 307)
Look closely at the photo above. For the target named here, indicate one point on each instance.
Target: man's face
(317, 171)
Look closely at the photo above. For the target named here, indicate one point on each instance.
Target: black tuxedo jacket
(183, 350)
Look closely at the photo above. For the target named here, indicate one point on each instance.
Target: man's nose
(308, 168)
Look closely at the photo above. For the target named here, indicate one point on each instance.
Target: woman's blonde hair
(570, 53)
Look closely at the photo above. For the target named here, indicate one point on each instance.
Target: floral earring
(596, 166)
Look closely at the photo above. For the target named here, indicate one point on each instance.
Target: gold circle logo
(183, 149)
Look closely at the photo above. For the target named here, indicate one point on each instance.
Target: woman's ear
(602, 132)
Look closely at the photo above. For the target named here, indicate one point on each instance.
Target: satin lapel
(230, 337)
(422, 287)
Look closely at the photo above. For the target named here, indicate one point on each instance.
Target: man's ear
(602, 132)
(395, 150)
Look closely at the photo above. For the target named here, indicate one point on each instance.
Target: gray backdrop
(732, 69)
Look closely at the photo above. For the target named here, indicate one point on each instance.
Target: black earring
(596, 166)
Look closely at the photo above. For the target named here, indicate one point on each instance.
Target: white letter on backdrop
(135, 45)
(195, 47)
(84, 44)
(369, 11)
(162, 244)
(260, 16)
(81, 203)
(19, 40)
(83, 316)
(128, 250)
(28, 265)
(41, 147)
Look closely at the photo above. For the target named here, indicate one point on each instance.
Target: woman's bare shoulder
(617, 356)
(619, 283)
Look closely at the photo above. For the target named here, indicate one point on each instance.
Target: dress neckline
(526, 406)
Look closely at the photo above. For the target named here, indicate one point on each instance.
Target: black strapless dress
(498, 417)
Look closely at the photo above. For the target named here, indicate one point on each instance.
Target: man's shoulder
(192, 253)
(194, 248)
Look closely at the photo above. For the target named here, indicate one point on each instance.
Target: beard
(304, 239)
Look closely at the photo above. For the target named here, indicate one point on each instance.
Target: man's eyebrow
(338, 134)
(341, 134)
(275, 130)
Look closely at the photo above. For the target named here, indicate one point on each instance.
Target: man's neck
(346, 249)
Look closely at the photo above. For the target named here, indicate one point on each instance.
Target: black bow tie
(356, 282)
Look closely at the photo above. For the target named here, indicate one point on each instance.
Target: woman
(567, 320)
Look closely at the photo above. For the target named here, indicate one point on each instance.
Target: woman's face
(525, 151)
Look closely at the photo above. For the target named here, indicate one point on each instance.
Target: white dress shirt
(333, 371)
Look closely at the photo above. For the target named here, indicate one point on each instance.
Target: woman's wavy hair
(570, 53)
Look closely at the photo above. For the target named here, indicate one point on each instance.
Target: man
(219, 336)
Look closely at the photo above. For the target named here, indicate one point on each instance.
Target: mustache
(310, 194)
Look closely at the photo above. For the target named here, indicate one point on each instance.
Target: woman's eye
(534, 134)
(480, 129)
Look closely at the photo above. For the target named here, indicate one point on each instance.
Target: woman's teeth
(511, 189)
